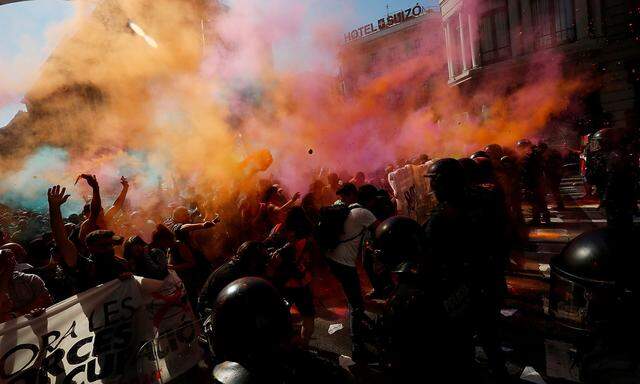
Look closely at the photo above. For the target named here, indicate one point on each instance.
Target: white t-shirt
(358, 220)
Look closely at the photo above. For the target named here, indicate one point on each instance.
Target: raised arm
(96, 202)
(289, 203)
(119, 203)
(91, 224)
(188, 228)
(57, 197)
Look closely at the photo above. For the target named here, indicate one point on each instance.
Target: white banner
(412, 192)
(132, 331)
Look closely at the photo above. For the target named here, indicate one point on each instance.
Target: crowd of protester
(285, 237)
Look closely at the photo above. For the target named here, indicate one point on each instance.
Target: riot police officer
(251, 335)
(421, 338)
(465, 240)
(595, 173)
(552, 164)
(511, 186)
(607, 297)
(532, 174)
(448, 254)
(617, 181)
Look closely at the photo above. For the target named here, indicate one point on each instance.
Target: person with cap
(251, 340)
(108, 266)
(20, 293)
(342, 258)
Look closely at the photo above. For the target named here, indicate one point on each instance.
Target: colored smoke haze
(212, 94)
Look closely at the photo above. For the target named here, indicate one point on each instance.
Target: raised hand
(296, 196)
(124, 182)
(91, 180)
(57, 196)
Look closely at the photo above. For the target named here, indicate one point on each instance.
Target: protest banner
(412, 192)
(131, 331)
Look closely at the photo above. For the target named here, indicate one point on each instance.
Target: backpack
(331, 226)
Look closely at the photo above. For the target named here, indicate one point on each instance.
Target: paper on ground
(333, 328)
(531, 375)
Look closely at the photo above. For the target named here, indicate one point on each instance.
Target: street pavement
(529, 272)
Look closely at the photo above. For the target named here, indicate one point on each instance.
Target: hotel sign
(384, 23)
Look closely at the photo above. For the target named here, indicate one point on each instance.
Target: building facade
(599, 38)
(371, 50)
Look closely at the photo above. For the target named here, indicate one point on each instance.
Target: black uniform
(618, 197)
(532, 174)
(492, 243)
(449, 271)
(467, 257)
(553, 174)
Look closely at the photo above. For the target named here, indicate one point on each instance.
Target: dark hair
(129, 244)
(269, 193)
(39, 249)
(366, 193)
(298, 222)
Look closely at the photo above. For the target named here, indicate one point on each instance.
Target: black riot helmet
(230, 372)
(448, 180)
(485, 170)
(606, 139)
(478, 154)
(523, 143)
(589, 256)
(250, 322)
(494, 151)
(399, 243)
(470, 170)
(507, 161)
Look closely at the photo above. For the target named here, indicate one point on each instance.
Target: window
(553, 22)
(454, 39)
(494, 36)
